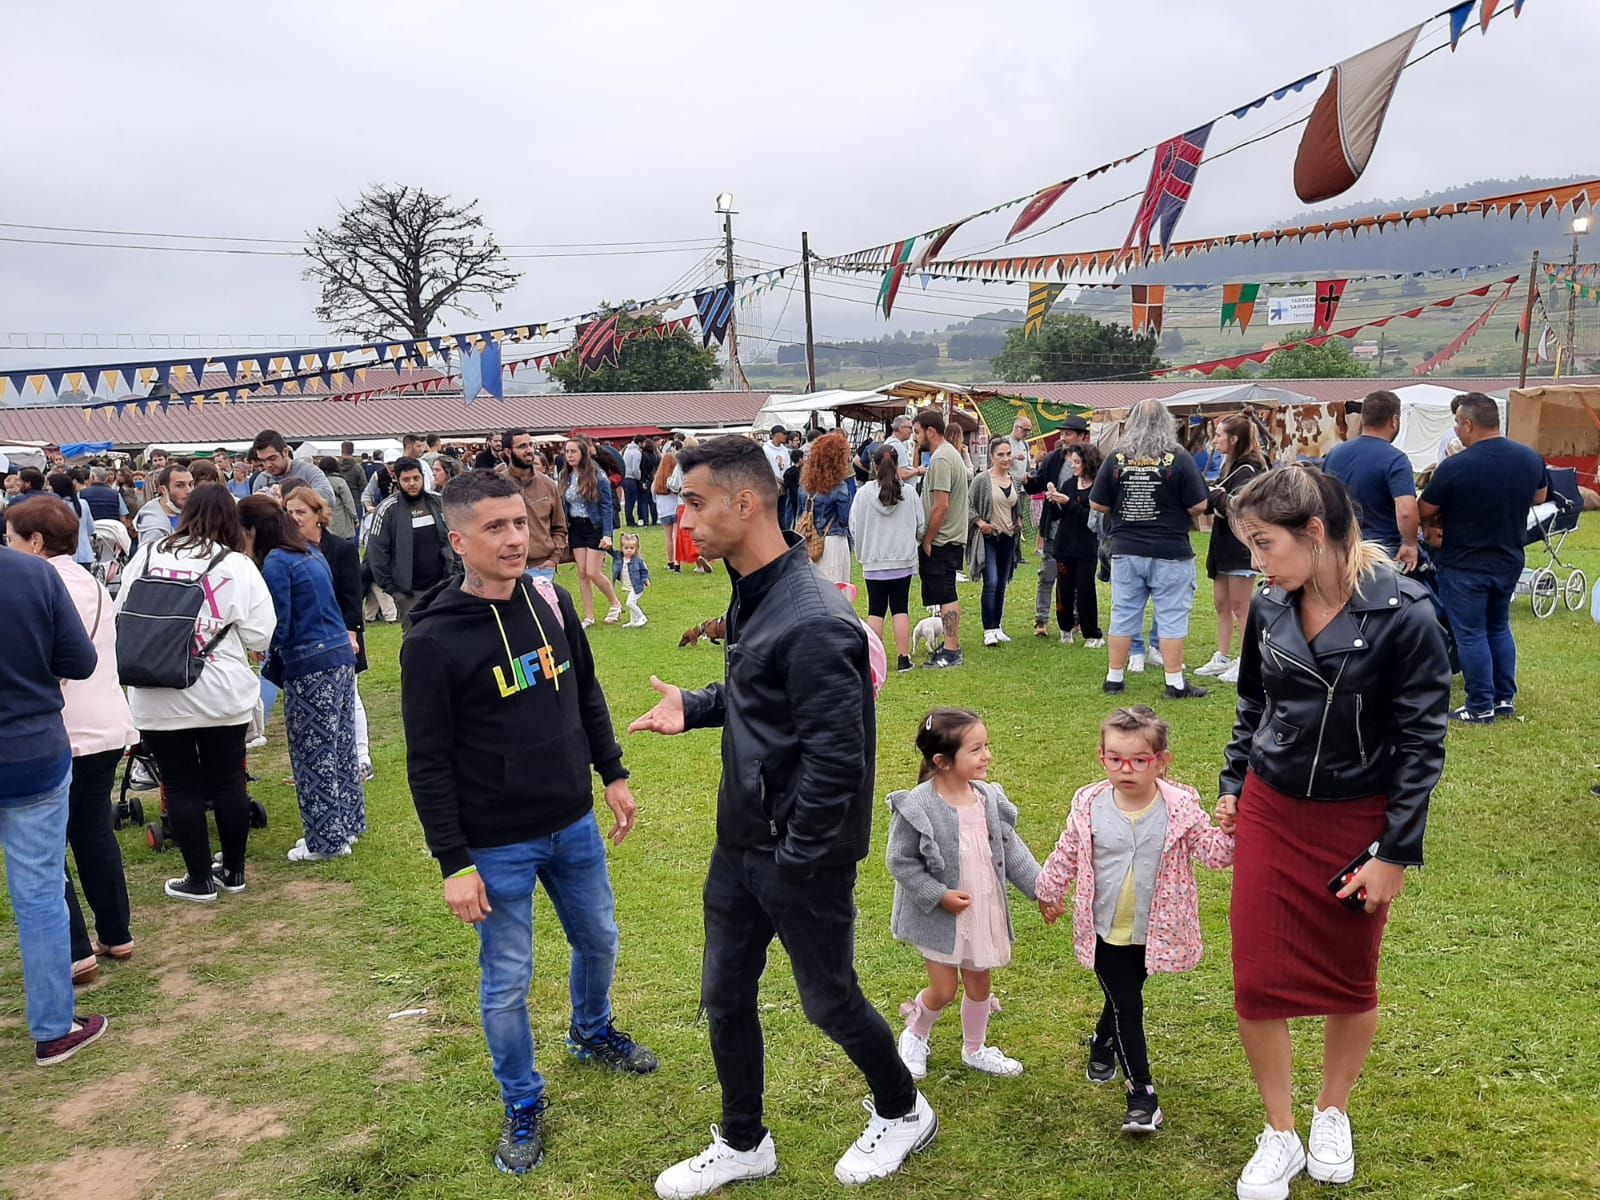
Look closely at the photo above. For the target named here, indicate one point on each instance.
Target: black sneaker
(1504, 710)
(198, 891)
(1114, 687)
(942, 659)
(1187, 692)
(228, 881)
(1102, 1062)
(1465, 716)
(85, 1029)
(1144, 1112)
(613, 1049)
(904, 664)
(521, 1145)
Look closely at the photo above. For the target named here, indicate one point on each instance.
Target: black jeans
(747, 901)
(1077, 602)
(1120, 970)
(99, 857)
(201, 767)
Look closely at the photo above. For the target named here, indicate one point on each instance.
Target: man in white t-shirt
(777, 451)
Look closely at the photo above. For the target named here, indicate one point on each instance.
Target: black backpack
(156, 630)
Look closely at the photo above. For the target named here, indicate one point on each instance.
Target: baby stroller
(1550, 523)
(142, 774)
(112, 549)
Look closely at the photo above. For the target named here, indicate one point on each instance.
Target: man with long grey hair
(1151, 488)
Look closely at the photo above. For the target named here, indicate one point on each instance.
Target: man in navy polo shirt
(1483, 495)
(1379, 476)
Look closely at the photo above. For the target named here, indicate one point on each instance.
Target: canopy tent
(1561, 422)
(1233, 397)
(1426, 423)
(311, 448)
(16, 455)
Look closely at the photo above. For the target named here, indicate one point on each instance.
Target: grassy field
(251, 1055)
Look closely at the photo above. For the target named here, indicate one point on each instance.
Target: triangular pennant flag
(1172, 173)
(931, 250)
(891, 281)
(1345, 124)
(715, 308)
(597, 343)
(1040, 297)
(53, 377)
(1516, 8)
(1147, 307)
(1328, 293)
(1488, 14)
(1039, 205)
(1239, 304)
(1459, 16)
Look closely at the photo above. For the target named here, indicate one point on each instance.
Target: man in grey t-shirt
(277, 465)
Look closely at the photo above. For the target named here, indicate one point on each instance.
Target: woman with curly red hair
(825, 479)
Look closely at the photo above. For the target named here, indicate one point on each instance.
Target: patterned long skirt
(319, 717)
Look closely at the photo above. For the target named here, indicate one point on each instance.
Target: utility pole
(811, 340)
(735, 371)
(1580, 226)
(1377, 367)
(1527, 318)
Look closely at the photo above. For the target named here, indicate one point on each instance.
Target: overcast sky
(621, 122)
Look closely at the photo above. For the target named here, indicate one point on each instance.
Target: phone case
(1354, 902)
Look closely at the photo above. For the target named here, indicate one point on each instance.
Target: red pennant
(1039, 205)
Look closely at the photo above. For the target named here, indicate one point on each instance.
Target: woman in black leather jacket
(1344, 690)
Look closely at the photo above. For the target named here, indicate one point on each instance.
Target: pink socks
(974, 1023)
(919, 1017)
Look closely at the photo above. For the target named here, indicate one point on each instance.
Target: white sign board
(1291, 310)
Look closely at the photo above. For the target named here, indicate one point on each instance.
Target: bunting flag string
(1038, 206)
(1148, 300)
(480, 372)
(597, 342)
(1428, 365)
(1329, 292)
(715, 307)
(1040, 297)
(1166, 195)
(1436, 273)
(1239, 304)
(1234, 362)
(896, 273)
(1565, 279)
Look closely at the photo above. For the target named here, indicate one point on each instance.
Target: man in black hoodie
(504, 719)
(794, 817)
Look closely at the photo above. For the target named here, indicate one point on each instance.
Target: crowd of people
(274, 564)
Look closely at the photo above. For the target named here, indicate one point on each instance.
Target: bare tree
(398, 258)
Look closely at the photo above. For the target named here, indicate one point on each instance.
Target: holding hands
(1052, 911)
(1227, 814)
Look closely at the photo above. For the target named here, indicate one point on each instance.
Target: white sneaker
(255, 743)
(639, 622)
(716, 1165)
(302, 855)
(914, 1053)
(1136, 664)
(990, 638)
(961, 577)
(1279, 1157)
(367, 773)
(1066, 637)
(991, 1061)
(1216, 665)
(1001, 635)
(1094, 644)
(1231, 675)
(1330, 1151)
(1154, 655)
(886, 1143)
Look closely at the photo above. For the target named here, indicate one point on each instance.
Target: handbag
(806, 527)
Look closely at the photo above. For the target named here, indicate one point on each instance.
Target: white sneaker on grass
(991, 637)
(715, 1166)
(255, 743)
(1330, 1151)
(1136, 664)
(914, 1053)
(886, 1143)
(1215, 665)
(302, 854)
(1000, 635)
(1066, 637)
(1231, 675)
(1094, 643)
(1154, 655)
(990, 1060)
(1279, 1157)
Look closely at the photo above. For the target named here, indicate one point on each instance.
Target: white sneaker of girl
(990, 1060)
(914, 1053)
(1279, 1157)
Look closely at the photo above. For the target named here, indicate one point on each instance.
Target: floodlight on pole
(726, 210)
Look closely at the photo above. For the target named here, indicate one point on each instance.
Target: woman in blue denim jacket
(311, 659)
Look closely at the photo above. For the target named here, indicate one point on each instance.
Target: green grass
(250, 1056)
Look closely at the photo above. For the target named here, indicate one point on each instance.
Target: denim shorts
(1136, 580)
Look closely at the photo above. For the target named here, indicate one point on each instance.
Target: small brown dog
(712, 631)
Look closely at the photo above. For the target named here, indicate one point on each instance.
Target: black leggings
(888, 596)
(1120, 970)
(200, 767)
(1077, 603)
(99, 857)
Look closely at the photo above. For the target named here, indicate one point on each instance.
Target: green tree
(1076, 346)
(675, 362)
(1331, 360)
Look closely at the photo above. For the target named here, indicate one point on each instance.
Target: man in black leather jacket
(794, 817)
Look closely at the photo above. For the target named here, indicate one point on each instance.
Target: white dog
(929, 632)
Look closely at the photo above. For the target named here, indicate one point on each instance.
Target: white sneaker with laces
(718, 1164)
(1066, 637)
(1215, 665)
(255, 743)
(1154, 655)
(990, 1060)
(1000, 635)
(990, 638)
(1279, 1157)
(1136, 664)
(886, 1143)
(914, 1053)
(300, 854)
(1231, 675)
(1094, 643)
(1330, 1150)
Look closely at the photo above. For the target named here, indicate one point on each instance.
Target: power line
(300, 241)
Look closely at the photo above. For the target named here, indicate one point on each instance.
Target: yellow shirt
(1121, 931)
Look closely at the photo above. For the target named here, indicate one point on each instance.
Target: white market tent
(1234, 397)
(1426, 423)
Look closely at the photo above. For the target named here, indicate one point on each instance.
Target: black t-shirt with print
(1150, 501)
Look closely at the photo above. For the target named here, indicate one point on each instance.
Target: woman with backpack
(311, 659)
(196, 733)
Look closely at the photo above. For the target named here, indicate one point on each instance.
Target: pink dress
(983, 938)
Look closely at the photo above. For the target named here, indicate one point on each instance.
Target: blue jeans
(571, 864)
(999, 561)
(1138, 640)
(33, 831)
(1479, 607)
(1136, 580)
(632, 513)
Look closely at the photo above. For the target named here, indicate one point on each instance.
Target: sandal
(121, 953)
(613, 615)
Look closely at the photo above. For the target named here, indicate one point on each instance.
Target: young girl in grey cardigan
(953, 846)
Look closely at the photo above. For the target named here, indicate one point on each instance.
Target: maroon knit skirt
(1297, 951)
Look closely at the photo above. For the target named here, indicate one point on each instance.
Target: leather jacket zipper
(1361, 742)
(1327, 707)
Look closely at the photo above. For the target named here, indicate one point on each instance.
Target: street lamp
(726, 210)
(1580, 227)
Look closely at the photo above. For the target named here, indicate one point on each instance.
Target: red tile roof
(382, 416)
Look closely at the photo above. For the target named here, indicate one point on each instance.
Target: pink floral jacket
(1173, 940)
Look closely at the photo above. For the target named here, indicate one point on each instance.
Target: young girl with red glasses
(1130, 845)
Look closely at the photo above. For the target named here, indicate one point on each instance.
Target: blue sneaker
(521, 1145)
(611, 1048)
